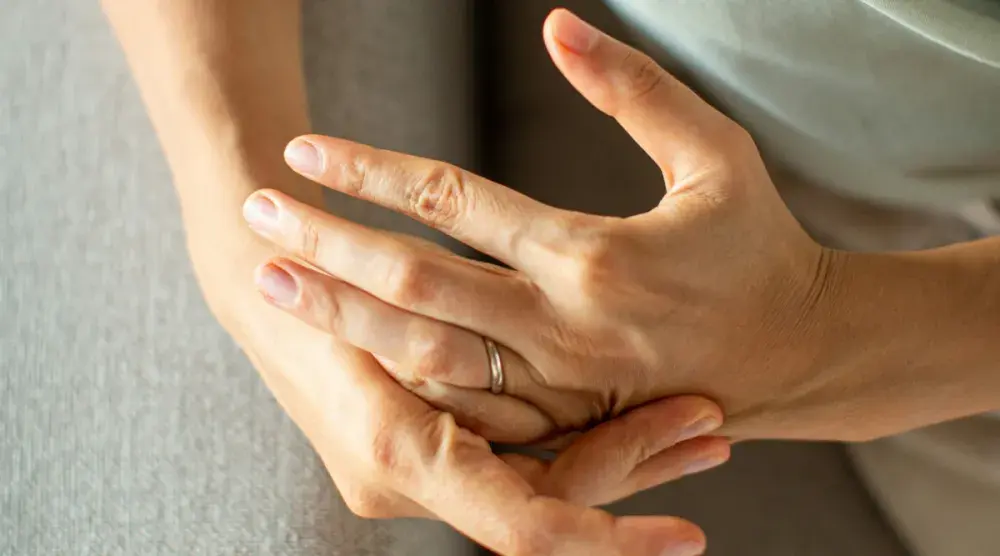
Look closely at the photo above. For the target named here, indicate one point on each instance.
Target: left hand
(716, 291)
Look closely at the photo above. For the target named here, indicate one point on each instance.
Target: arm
(224, 88)
(916, 335)
(223, 85)
(716, 291)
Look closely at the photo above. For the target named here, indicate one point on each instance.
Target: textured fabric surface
(895, 109)
(940, 486)
(130, 424)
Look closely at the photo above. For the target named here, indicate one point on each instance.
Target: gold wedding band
(496, 366)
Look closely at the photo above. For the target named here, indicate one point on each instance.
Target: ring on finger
(496, 366)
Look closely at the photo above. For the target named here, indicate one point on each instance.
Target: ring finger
(443, 363)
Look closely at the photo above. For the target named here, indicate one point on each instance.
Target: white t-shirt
(895, 101)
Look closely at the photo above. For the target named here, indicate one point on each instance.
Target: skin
(716, 291)
(223, 85)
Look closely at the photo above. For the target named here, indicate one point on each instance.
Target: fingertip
(566, 29)
(304, 157)
(277, 284)
(689, 416)
(660, 536)
(720, 447)
(712, 452)
(260, 211)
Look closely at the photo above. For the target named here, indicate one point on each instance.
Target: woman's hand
(392, 455)
(716, 291)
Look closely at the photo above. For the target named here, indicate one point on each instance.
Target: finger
(489, 501)
(503, 419)
(411, 346)
(485, 215)
(425, 457)
(687, 458)
(426, 348)
(525, 392)
(442, 363)
(678, 129)
(438, 285)
(645, 447)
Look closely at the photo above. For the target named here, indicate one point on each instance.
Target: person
(512, 504)
(717, 291)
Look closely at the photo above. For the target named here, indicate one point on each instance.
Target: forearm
(914, 337)
(223, 85)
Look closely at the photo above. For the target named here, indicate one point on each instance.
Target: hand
(715, 291)
(392, 455)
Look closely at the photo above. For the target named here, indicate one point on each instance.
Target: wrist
(224, 252)
(902, 340)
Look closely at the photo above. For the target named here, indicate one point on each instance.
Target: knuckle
(307, 241)
(439, 439)
(737, 141)
(644, 75)
(431, 354)
(408, 280)
(355, 174)
(325, 307)
(596, 255)
(384, 451)
(531, 541)
(439, 196)
(738, 165)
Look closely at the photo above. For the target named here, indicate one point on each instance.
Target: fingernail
(303, 157)
(278, 285)
(684, 549)
(576, 34)
(700, 427)
(700, 465)
(260, 212)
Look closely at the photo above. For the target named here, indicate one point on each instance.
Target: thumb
(681, 132)
(646, 447)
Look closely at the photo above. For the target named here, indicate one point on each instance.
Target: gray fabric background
(129, 422)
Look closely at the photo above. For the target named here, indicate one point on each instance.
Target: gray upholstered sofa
(130, 422)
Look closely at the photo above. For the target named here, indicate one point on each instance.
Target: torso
(885, 100)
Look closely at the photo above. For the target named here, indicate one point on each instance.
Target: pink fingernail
(703, 465)
(661, 538)
(278, 285)
(304, 158)
(576, 34)
(684, 549)
(261, 213)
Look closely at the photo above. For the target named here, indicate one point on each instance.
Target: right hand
(392, 455)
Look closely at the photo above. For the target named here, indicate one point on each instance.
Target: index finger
(476, 211)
